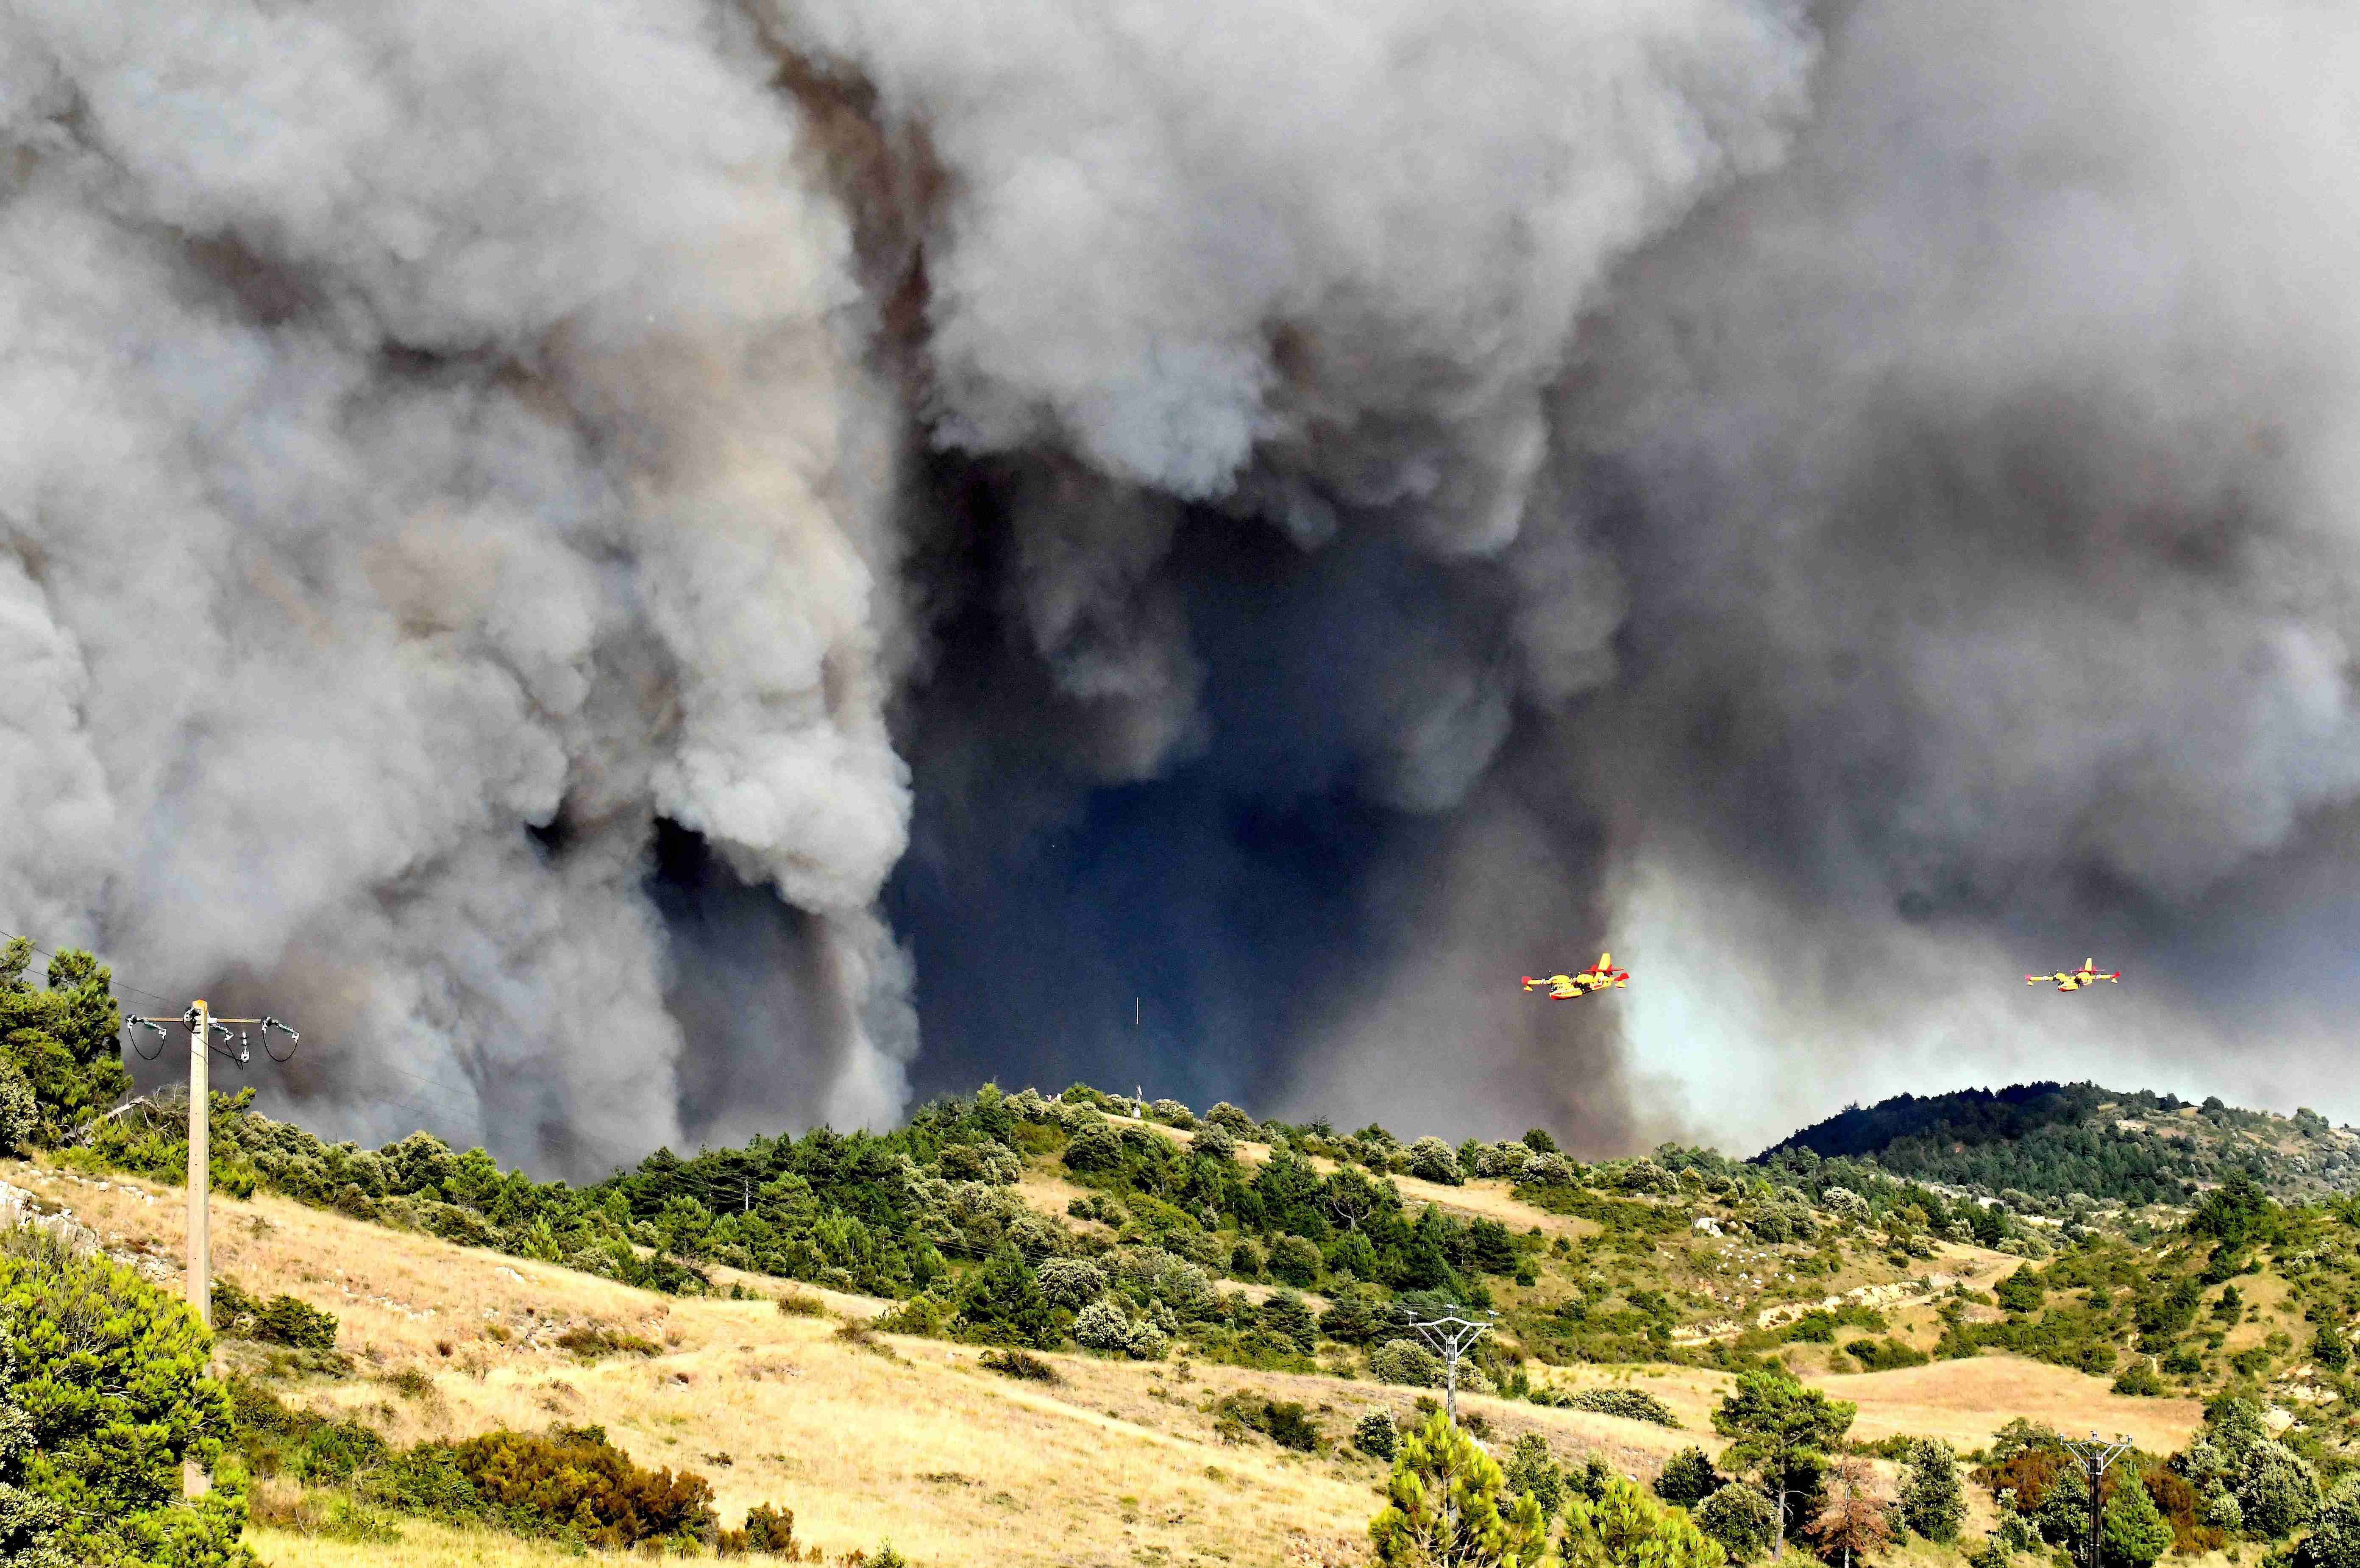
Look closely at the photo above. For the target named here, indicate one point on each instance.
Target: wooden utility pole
(201, 1165)
(203, 1026)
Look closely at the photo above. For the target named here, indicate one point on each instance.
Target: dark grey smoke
(517, 520)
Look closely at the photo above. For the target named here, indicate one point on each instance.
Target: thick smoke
(427, 423)
(517, 517)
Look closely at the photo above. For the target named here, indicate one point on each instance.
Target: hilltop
(2059, 1140)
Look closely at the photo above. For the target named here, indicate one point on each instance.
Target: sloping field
(1966, 1401)
(909, 1440)
(905, 1438)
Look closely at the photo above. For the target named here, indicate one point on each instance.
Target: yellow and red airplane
(1565, 988)
(2075, 979)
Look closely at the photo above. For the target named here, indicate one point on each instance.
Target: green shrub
(1687, 1478)
(2133, 1529)
(800, 1304)
(1018, 1364)
(1405, 1362)
(1375, 1435)
(2334, 1540)
(2139, 1377)
(767, 1529)
(107, 1397)
(2277, 1490)
(1884, 1354)
(57, 1045)
(574, 1483)
(1932, 1501)
(1631, 1404)
(1294, 1261)
(1449, 1503)
(1738, 1517)
(1000, 1303)
(1284, 1423)
(295, 1324)
(1533, 1471)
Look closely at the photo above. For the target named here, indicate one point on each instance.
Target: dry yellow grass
(425, 1546)
(953, 1463)
(1966, 1401)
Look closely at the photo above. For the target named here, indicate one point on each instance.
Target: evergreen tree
(1933, 1503)
(60, 1043)
(1687, 1478)
(1000, 1303)
(1628, 1528)
(2134, 1529)
(105, 1397)
(2335, 1540)
(1781, 1432)
(1445, 1510)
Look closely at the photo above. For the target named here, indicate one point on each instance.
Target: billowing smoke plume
(427, 424)
(518, 518)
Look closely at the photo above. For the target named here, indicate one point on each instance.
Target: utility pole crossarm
(203, 1026)
(2097, 1456)
(1453, 1336)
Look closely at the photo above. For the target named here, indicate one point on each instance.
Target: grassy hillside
(877, 1437)
(2055, 1142)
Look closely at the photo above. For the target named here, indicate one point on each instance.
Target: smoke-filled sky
(655, 570)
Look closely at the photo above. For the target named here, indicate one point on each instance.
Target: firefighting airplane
(2075, 979)
(1565, 988)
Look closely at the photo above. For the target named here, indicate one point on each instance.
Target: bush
(1631, 1404)
(2334, 1540)
(1294, 1261)
(1376, 1435)
(108, 1398)
(1687, 1478)
(1431, 1159)
(1739, 1518)
(1000, 1303)
(1071, 1282)
(1448, 1504)
(295, 1324)
(2133, 1529)
(800, 1304)
(1533, 1471)
(1285, 1316)
(1405, 1362)
(1103, 1325)
(1284, 1423)
(575, 1484)
(1932, 1502)
(2139, 1377)
(20, 1119)
(2277, 1490)
(1884, 1354)
(1018, 1364)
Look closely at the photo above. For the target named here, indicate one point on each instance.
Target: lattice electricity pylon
(1452, 1336)
(2096, 1454)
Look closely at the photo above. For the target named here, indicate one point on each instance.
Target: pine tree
(2133, 1529)
(1444, 1509)
(1626, 1527)
(1782, 1432)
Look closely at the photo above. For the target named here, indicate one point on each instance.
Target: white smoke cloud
(424, 422)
